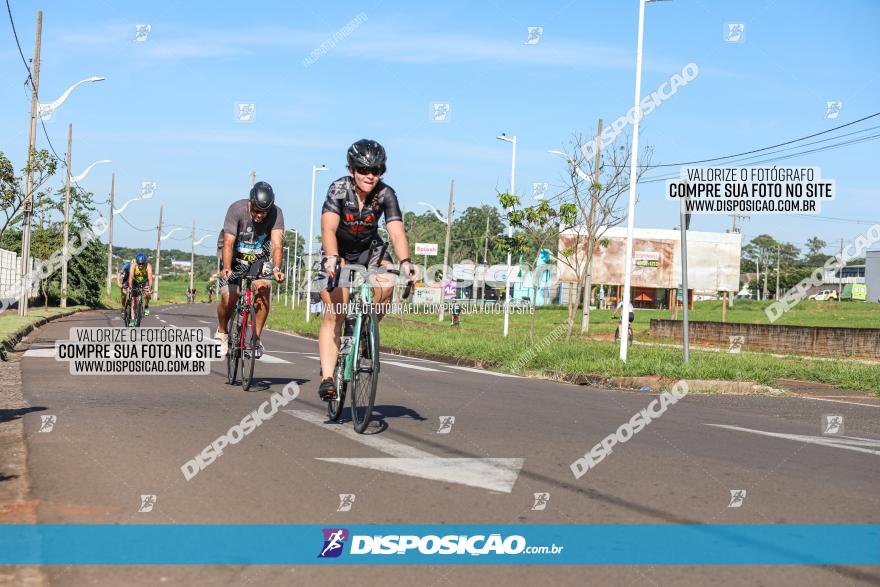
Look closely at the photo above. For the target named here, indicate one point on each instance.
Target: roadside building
(713, 265)
(180, 265)
(872, 275)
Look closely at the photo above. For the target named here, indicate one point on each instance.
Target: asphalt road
(117, 438)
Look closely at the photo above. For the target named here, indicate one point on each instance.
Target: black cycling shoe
(327, 389)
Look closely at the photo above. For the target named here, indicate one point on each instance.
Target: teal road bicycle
(358, 361)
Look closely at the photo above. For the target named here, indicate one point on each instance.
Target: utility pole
(840, 273)
(446, 248)
(192, 256)
(766, 271)
(287, 275)
(758, 277)
(778, 266)
(110, 234)
(65, 248)
(158, 255)
(28, 206)
(588, 285)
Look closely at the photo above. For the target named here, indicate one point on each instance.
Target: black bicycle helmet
(262, 197)
(366, 153)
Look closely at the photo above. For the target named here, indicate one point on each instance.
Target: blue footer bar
(268, 544)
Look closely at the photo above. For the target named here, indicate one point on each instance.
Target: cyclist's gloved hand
(330, 264)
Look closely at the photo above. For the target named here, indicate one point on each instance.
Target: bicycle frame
(365, 296)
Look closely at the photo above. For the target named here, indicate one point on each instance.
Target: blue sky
(166, 111)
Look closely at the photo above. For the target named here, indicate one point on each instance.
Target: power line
(767, 148)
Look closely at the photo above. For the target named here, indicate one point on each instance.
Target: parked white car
(824, 295)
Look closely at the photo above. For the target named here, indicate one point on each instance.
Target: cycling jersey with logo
(250, 236)
(357, 228)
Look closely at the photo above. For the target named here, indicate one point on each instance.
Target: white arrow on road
(493, 474)
(846, 442)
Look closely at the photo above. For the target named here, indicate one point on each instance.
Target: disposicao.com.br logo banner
(495, 544)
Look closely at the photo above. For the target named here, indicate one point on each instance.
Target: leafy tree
(538, 226)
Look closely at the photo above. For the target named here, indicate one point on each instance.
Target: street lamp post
(315, 169)
(511, 140)
(631, 214)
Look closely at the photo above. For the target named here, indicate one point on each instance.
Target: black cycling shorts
(353, 257)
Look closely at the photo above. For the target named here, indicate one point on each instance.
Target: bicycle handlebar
(333, 278)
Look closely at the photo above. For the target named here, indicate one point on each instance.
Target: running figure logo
(737, 497)
(47, 423)
(142, 32)
(440, 112)
(346, 500)
(541, 500)
(334, 540)
(534, 35)
(734, 32)
(832, 424)
(446, 423)
(832, 109)
(147, 503)
(736, 343)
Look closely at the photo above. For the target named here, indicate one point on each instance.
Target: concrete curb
(12, 341)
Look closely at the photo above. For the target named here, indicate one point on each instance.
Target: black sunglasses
(377, 171)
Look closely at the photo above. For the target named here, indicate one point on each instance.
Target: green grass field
(11, 322)
(480, 337)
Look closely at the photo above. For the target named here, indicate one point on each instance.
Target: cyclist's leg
(383, 289)
(331, 327)
(383, 280)
(262, 302)
(229, 292)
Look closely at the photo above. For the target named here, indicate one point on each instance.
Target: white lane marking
(205, 322)
(494, 474)
(408, 366)
(837, 401)
(40, 352)
(313, 357)
(271, 359)
(844, 442)
(474, 370)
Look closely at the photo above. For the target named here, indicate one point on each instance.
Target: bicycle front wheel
(232, 351)
(248, 347)
(366, 374)
(140, 312)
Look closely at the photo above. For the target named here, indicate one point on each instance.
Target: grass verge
(480, 338)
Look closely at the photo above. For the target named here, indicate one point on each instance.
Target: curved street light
(146, 196)
(436, 212)
(46, 110)
(83, 175)
(170, 232)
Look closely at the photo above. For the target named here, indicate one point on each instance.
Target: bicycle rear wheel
(232, 350)
(249, 347)
(366, 374)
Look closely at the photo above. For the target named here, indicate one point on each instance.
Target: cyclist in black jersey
(349, 228)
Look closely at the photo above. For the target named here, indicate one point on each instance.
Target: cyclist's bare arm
(329, 225)
(228, 247)
(277, 246)
(398, 238)
(149, 276)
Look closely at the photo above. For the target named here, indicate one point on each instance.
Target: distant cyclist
(250, 223)
(122, 282)
(349, 228)
(140, 279)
